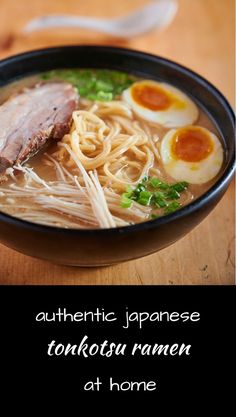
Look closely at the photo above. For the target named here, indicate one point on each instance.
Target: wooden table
(202, 38)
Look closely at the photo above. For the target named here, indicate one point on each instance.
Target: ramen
(88, 149)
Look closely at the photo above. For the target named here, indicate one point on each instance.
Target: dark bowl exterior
(103, 247)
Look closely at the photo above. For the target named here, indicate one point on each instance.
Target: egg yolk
(151, 96)
(191, 145)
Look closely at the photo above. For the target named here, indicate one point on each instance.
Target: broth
(75, 186)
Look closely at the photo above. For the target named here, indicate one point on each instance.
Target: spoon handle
(157, 14)
(53, 21)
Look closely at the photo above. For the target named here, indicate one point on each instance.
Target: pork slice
(33, 117)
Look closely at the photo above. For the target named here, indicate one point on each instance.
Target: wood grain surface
(202, 38)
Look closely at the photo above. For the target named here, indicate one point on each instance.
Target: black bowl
(109, 246)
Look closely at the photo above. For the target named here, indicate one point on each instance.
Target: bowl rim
(185, 211)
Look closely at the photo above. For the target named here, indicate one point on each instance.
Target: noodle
(114, 141)
(106, 151)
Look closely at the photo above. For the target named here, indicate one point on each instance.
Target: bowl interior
(142, 65)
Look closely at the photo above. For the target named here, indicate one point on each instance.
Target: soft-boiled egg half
(161, 103)
(192, 154)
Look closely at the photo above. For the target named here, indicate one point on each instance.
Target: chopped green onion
(155, 193)
(154, 182)
(172, 194)
(145, 179)
(180, 186)
(144, 198)
(104, 86)
(172, 207)
(104, 96)
(163, 186)
(136, 192)
(159, 201)
(101, 85)
(126, 202)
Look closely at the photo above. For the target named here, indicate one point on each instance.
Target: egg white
(192, 172)
(174, 116)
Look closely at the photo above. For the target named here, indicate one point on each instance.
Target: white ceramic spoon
(156, 14)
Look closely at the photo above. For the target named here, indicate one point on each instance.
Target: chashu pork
(31, 118)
